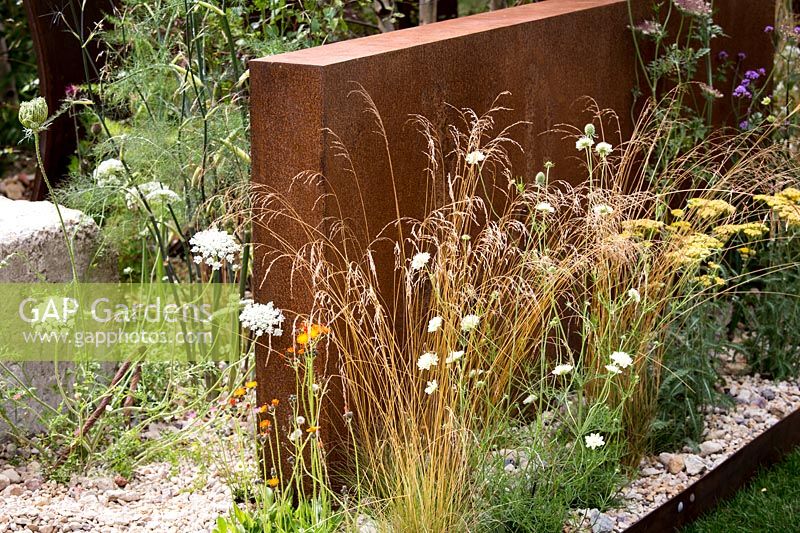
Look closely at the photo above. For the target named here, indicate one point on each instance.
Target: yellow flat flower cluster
(710, 208)
(707, 280)
(785, 205)
(691, 249)
(680, 226)
(752, 230)
(640, 227)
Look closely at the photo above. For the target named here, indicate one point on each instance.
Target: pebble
(710, 447)
(694, 464)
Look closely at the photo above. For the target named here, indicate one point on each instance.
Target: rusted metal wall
(62, 62)
(549, 55)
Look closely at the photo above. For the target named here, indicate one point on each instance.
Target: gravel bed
(759, 404)
(158, 497)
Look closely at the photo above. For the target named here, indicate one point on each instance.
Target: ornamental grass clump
(533, 323)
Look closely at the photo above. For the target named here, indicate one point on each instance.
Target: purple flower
(745, 83)
(744, 125)
(751, 75)
(742, 92)
(769, 29)
(762, 71)
(742, 56)
(697, 8)
(723, 55)
(797, 30)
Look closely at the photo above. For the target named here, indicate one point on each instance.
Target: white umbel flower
(634, 295)
(156, 194)
(602, 210)
(545, 207)
(594, 441)
(613, 369)
(584, 143)
(560, 370)
(434, 324)
(529, 399)
(622, 359)
(473, 158)
(109, 173)
(213, 246)
(419, 260)
(454, 356)
(427, 361)
(470, 322)
(431, 387)
(603, 149)
(262, 318)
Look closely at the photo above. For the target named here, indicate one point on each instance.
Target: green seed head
(33, 114)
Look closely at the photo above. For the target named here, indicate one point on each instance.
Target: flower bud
(33, 114)
(588, 130)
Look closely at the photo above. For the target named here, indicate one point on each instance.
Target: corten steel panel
(60, 63)
(548, 55)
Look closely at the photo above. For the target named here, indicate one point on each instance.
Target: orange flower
(275, 402)
(251, 385)
(312, 429)
(262, 409)
(272, 482)
(239, 392)
(264, 424)
(290, 350)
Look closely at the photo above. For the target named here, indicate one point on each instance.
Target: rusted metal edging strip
(725, 480)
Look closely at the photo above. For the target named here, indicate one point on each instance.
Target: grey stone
(33, 249)
(694, 464)
(4, 482)
(710, 447)
(12, 475)
(603, 524)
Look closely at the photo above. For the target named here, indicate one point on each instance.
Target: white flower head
(603, 149)
(545, 207)
(634, 295)
(427, 361)
(431, 387)
(262, 318)
(613, 369)
(127, 271)
(295, 435)
(622, 359)
(529, 399)
(434, 324)
(419, 260)
(454, 356)
(602, 210)
(469, 323)
(473, 158)
(594, 441)
(560, 370)
(213, 246)
(154, 193)
(109, 173)
(584, 143)
(300, 420)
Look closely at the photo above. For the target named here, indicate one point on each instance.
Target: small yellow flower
(677, 213)
(239, 392)
(251, 385)
(275, 402)
(312, 429)
(264, 424)
(302, 339)
(272, 482)
(745, 251)
(710, 208)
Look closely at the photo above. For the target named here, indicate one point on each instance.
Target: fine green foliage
(771, 502)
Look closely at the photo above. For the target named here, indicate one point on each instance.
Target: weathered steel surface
(61, 64)
(549, 55)
(725, 480)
